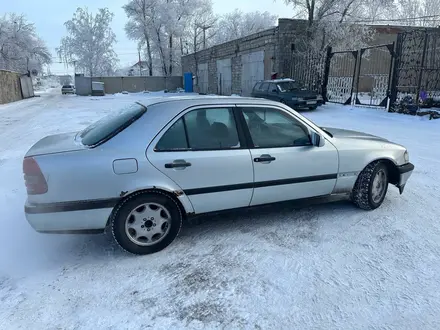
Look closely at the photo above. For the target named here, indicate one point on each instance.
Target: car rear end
(68, 89)
(70, 181)
(55, 174)
(303, 101)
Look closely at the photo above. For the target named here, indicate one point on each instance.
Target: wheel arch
(393, 171)
(170, 194)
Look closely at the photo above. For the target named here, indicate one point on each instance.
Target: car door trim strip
(262, 184)
(111, 202)
(83, 205)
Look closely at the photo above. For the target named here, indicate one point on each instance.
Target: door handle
(178, 163)
(264, 159)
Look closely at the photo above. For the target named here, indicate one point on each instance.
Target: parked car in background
(287, 91)
(68, 89)
(141, 171)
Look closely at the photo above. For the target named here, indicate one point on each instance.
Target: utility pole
(204, 28)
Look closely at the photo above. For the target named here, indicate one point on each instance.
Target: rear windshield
(67, 86)
(111, 125)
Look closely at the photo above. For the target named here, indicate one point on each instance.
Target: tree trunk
(147, 39)
(171, 55)
(150, 57)
(162, 54)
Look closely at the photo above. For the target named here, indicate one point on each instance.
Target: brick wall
(265, 41)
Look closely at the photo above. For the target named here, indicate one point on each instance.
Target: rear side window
(202, 129)
(111, 125)
(264, 87)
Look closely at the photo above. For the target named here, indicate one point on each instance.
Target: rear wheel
(371, 186)
(146, 223)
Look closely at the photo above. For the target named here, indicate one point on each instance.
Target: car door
(272, 93)
(262, 92)
(286, 164)
(256, 90)
(203, 153)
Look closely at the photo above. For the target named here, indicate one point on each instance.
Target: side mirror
(317, 140)
(275, 90)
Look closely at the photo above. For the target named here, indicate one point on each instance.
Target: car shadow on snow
(285, 224)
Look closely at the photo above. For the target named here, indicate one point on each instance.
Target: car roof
(276, 80)
(176, 104)
(195, 100)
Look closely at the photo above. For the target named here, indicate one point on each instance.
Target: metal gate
(308, 68)
(373, 79)
(224, 77)
(252, 70)
(339, 76)
(202, 78)
(416, 74)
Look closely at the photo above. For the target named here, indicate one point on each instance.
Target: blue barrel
(188, 82)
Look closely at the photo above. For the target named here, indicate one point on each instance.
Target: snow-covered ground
(327, 266)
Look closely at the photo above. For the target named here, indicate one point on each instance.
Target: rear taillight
(33, 177)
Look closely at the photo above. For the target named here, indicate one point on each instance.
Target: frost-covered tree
(20, 47)
(417, 12)
(201, 28)
(163, 29)
(238, 24)
(90, 42)
(333, 22)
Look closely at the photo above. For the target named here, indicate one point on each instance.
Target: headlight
(406, 156)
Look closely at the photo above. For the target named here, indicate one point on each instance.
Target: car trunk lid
(53, 144)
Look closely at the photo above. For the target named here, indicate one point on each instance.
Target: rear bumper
(46, 218)
(303, 105)
(405, 172)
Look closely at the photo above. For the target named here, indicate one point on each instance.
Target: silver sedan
(141, 171)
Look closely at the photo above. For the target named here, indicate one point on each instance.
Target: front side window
(272, 128)
(202, 129)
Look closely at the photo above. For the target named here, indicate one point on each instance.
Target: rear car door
(272, 93)
(256, 90)
(204, 153)
(286, 164)
(263, 90)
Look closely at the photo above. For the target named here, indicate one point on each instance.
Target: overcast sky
(49, 16)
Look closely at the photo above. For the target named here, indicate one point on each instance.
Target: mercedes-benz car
(142, 170)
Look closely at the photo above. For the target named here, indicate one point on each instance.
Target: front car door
(286, 164)
(204, 154)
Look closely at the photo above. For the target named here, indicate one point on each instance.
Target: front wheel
(146, 223)
(371, 186)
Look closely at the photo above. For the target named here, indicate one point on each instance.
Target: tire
(371, 186)
(146, 223)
